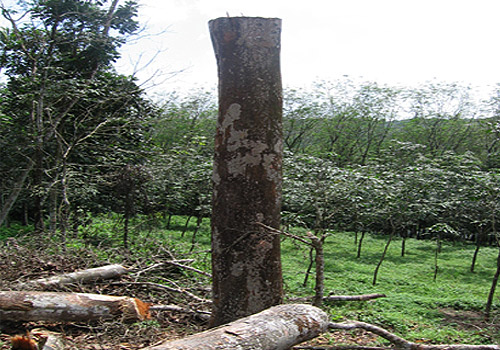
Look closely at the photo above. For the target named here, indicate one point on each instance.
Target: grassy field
(417, 307)
(447, 310)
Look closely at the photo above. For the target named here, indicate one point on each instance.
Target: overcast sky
(395, 42)
(388, 41)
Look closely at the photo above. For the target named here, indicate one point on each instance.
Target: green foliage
(71, 117)
(14, 230)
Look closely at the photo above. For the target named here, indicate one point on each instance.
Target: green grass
(415, 302)
(415, 307)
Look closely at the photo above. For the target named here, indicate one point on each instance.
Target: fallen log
(278, 327)
(70, 307)
(84, 276)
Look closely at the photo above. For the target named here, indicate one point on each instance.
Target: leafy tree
(71, 117)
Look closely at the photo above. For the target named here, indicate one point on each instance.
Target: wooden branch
(203, 315)
(69, 307)
(361, 297)
(277, 328)
(182, 266)
(155, 266)
(401, 343)
(84, 276)
(279, 232)
(169, 289)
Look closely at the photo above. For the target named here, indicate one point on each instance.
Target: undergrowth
(416, 307)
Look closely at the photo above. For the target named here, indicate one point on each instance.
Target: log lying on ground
(401, 343)
(103, 272)
(278, 327)
(361, 297)
(69, 307)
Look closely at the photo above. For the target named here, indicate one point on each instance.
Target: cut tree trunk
(276, 328)
(69, 307)
(247, 175)
(84, 276)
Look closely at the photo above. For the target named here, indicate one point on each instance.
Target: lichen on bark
(247, 167)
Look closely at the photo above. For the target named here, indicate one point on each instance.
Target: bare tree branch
(404, 344)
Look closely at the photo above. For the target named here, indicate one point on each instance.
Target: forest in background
(78, 139)
(352, 161)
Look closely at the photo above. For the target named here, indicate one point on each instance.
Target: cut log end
(70, 307)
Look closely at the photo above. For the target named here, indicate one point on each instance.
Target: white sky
(391, 42)
(395, 42)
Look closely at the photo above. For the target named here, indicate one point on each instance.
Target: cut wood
(361, 297)
(69, 307)
(276, 328)
(84, 276)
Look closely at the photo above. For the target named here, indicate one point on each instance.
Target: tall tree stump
(247, 176)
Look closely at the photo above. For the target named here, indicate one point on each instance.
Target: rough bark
(84, 276)
(69, 307)
(319, 286)
(247, 176)
(276, 328)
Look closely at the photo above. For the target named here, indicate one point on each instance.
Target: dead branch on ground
(401, 343)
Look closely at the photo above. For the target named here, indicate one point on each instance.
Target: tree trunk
(277, 328)
(319, 286)
(69, 307)
(375, 273)
(493, 288)
(360, 244)
(403, 247)
(309, 267)
(11, 199)
(247, 176)
(186, 225)
(479, 234)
